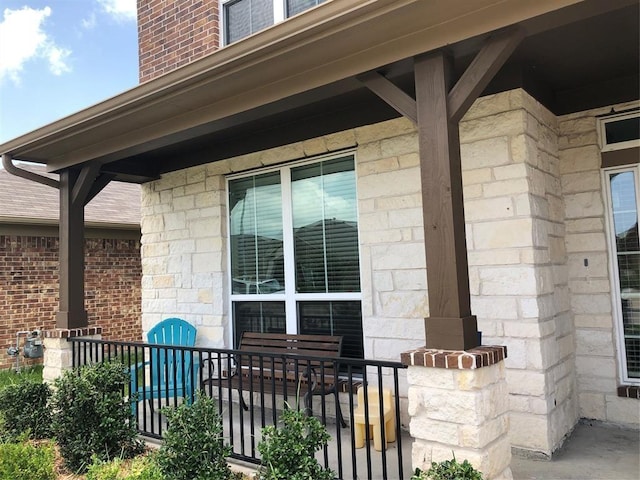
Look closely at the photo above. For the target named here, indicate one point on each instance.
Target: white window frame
(290, 297)
(602, 123)
(279, 15)
(614, 273)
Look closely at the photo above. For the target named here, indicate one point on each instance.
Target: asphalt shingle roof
(118, 203)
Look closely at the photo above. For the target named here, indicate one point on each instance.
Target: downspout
(7, 163)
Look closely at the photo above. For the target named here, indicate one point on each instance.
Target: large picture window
(623, 200)
(295, 264)
(244, 17)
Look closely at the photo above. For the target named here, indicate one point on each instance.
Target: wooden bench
(291, 365)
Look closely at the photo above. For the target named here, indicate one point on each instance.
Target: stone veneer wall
(517, 260)
(591, 303)
(516, 239)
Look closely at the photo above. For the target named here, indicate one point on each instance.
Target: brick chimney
(172, 33)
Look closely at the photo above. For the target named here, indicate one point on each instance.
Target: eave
(326, 46)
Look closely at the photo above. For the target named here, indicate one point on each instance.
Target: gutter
(10, 167)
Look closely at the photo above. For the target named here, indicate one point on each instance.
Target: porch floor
(592, 452)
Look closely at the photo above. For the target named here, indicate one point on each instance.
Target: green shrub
(448, 470)
(289, 452)
(139, 468)
(24, 461)
(193, 447)
(92, 417)
(24, 409)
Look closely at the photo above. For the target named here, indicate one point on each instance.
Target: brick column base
(58, 354)
(458, 404)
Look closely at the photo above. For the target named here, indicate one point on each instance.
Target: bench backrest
(328, 347)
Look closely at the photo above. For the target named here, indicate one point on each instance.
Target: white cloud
(22, 38)
(89, 22)
(122, 10)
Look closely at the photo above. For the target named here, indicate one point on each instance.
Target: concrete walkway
(592, 452)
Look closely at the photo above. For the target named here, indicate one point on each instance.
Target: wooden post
(72, 313)
(450, 324)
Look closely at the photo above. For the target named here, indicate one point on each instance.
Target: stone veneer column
(58, 350)
(458, 404)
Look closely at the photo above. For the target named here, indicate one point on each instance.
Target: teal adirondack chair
(172, 373)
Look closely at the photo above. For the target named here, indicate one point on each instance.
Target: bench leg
(244, 405)
(343, 424)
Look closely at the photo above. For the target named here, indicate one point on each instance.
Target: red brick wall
(29, 288)
(172, 33)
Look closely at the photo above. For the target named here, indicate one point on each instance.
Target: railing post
(58, 350)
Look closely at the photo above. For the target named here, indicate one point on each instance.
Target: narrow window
(623, 199)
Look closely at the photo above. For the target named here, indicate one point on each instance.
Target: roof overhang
(300, 65)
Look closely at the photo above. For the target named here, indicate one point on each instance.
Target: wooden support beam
(390, 93)
(442, 200)
(496, 50)
(84, 183)
(72, 313)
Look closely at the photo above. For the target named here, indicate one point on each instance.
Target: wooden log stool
(374, 423)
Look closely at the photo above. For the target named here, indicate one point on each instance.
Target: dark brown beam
(390, 93)
(72, 313)
(84, 183)
(494, 53)
(450, 324)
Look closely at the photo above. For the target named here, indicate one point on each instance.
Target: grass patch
(11, 377)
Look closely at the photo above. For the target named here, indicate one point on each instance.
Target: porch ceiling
(296, 80)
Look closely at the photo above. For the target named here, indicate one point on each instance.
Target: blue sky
(60, 56)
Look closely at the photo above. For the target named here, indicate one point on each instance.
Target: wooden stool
(375, 426)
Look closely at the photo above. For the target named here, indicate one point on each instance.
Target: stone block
(495, 307)
(593, 304)
(485, 153)
(509, 281)
(480, 437)
(503, 234)
(530, 432)
(399, 145)
(382, 165)
(592, 405)
(594, 343)
(580, 159)
(489, 105)
(524, 149)
(506, 256)
(398, 256)
(392, 183)
(581, 182)
(415, 279)
(382, 130)
(501, 125)
(586, 242)
(431, 378)
(423, 428)
(314, 146)
(623, 411)
(593, 321)
(524, 382)
(580, 225)
(505, 187)
(488, 209)
(408, 217)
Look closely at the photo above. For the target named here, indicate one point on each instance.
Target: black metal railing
(357, 400)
